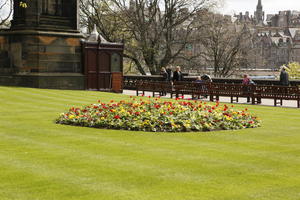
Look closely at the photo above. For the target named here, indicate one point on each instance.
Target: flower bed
(154, 114)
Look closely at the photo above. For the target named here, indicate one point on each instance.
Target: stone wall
(41, 59)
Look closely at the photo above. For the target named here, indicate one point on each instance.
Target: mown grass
(41, 160)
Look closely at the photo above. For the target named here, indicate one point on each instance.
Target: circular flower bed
(155, 115)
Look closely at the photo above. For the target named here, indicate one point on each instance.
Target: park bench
(277, 93)
(216, 90)
(234, 91)
(194, 89)
(158, 88)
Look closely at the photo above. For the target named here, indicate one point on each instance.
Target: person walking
(284, 77)
(177, 75)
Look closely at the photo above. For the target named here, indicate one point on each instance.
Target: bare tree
(6, 10)
(155, 31)
(226, 45)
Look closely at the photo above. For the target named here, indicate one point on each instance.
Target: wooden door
(104, 71)
(91, 69)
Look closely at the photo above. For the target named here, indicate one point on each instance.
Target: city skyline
(269, 6)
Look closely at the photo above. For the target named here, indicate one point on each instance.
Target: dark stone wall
(44, 53)
(42, 48)
(30, 56)
(48, 15)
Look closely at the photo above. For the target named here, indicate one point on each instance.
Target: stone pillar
(43, 43)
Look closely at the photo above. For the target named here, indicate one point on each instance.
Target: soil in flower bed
(157, 115)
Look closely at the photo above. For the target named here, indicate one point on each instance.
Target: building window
(52, 7)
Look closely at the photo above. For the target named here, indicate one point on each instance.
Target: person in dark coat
(164, 74)
(177, 75)
(170, 73)
(284, 77)
(206, 78)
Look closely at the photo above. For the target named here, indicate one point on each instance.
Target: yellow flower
(71, 116)
(122, 110)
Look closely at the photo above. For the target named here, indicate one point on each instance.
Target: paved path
(265, 102)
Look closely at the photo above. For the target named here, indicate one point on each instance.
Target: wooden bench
(234, 91)
(156, 87)
(278, 93)
(190, 88)
(216, 90)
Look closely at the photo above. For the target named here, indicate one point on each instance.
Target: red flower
(227, 114)
(117, 117)
(137, 113)
(157, 106)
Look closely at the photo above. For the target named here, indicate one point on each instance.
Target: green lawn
(40, 160)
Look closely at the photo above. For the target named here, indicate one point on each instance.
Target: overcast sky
(269, 6)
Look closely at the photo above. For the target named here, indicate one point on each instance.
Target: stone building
(284, 19)
(275, 40)
(257, 19)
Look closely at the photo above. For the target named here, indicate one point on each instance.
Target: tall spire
(259, 5)
(259, 14)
